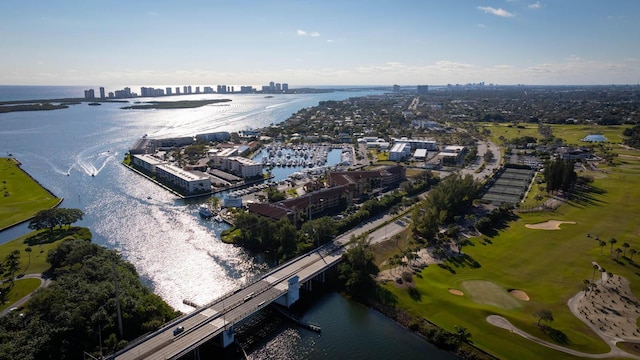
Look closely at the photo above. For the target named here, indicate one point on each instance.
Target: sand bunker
(549, 225)
(519, 294)
(456, 292)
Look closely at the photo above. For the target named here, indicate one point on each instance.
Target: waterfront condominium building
(101, 92)
(168, 92)
(89, 94)
(189, 181)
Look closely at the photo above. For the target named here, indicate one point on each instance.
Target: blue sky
(320, 42)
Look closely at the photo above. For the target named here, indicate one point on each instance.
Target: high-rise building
(285, 87)
(89, 94)
(168, 91)
(396, 88)
(278, 87)
(177, 90)
(189, 89)
(422, 89)
(197, 89)
(101, 92)
(184, 90)
(272, 86)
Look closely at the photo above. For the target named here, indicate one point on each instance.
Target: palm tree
(28, 251)
(587, 287)
(612, 241)
(602, 244)
(12, 262)
(618, 251)
(632, 252)
(462, 334)
(595, 267)
(625, 246)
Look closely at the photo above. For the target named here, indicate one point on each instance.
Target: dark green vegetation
(633, 135)
(68, 317)
(50, 218)
(358, 267)
(559, 175)
(21, 197)
(184, 104)
(282, 240)
(450, 199)
(32, 107)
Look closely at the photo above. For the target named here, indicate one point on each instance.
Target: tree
(602, 245)
(12, 263)
(612, 241)
(358, 266)
(462, 334)
(595, 267)
(625, 246)
(618, 251)
(28, 251)
(632, 252)
(543, 314)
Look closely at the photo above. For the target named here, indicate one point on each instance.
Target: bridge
(216, 320)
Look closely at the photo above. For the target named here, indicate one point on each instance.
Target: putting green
(488, 293)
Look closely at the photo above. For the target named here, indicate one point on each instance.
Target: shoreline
(60, 200)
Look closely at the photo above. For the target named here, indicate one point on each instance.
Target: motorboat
(205, 212)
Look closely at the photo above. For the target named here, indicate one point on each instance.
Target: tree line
(282, 240)
(77, 312)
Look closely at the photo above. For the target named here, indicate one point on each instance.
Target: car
(178, 330)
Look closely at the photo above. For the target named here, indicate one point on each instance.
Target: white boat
(205, 212)
(218, 218)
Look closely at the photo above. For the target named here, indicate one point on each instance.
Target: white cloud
(315, 34)
(331, 41)
(482, 26)
(301, 32)
(535, 5)
(497, 12)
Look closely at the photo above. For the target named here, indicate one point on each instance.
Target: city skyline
(573, 42)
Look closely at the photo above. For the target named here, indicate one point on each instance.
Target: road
(44, 282)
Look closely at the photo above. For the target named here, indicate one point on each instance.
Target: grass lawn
(35, 262)
(571, 134)
(549, 265)
(20, 196)
(21, 288)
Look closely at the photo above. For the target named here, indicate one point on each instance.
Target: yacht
(205, 212)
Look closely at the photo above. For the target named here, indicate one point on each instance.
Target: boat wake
(93, 164)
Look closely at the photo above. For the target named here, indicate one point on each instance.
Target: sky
(319, 42)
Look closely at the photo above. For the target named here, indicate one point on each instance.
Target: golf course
(541, 260)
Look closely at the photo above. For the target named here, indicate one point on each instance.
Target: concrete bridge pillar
(227, 337)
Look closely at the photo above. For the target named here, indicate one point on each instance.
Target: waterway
(76, 154)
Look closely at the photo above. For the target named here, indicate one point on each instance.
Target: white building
(400, 152)
(418, 144)
(147, 162)
(420, 154)
(246, 168)
(217, 157)
(189, 181)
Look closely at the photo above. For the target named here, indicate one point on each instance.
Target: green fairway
(549, 266)
(571, 134)
(486, 292)
(21, 197)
